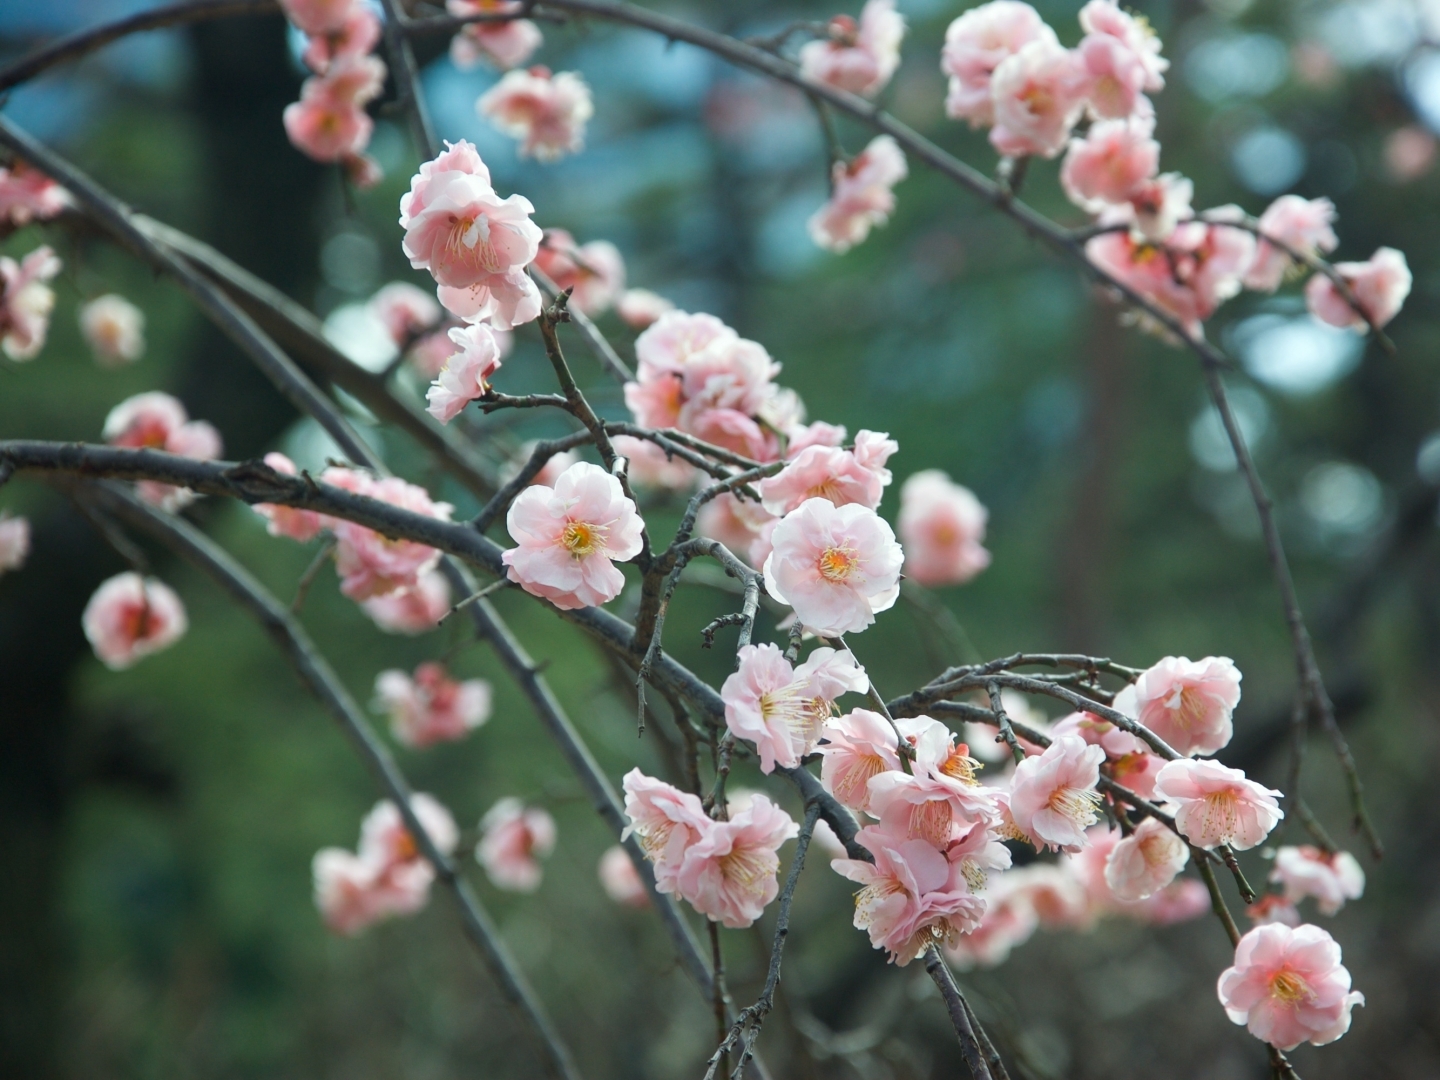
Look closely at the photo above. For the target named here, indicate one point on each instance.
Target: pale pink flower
(505, 44)
(913, 895)
(27, 195)
(26, 302)
(1146, 861)
(595, 272)
(464, 377)
(475, 244)
(431, 707)
(1380, 285)
(130, 617)
(829, 472)
(1409, 153)
(665, 822)
(732, 430)
(411, 610)
(114, 329)
(547, 113)
(640, 308)
(329, 122)
(1189, 704)
(1137, 771)
(297, 524)
(1115, 77)
(370, 564)
(342, 890)
(858, 58)
(357, 36)
(1110, 163)
(1039, 95)
(514, 838)
(570, 536)
(14, 541)
(1330, 878)
(1159, 204)
(1056, 894)
(940, 794)
(157, 421)
(648, 466)
(1302, 224)
(729, 872)
(1180, 901)
(1288, 986)
(801, 436)
(319, 16)
(861, 196)
(428, 355)
(1104, 17)
(741, 525)
(976, 44)
(663, 351)
(942, 527)
(1218, 805)
(837, 566)
(781, 708)
(1273, 907)
(1053, 798)
(405, 310)
(1116, 741)
(857, 747)
(620, 880)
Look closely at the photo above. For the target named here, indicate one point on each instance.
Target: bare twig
(955, 1005)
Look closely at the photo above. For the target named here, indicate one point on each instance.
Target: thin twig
(970, 1050)
(302, 587)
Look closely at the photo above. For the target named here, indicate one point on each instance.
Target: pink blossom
(1053, 890)
(662, 353)
(781, 708)
(940, 794)
(114, 329)
(405, 310)
(1302, 224)
(27, 195)
(861, 59)
(828, 472)
(1180, 901)
(319, 16)
(546, 112)
(1104, 17)
(428, 355)
(1053, 798)
(14, 542)
(665, 821)
(1009, 920)
(357, 36)
(913, 896)
(157, 421)
(370, 564)
(1158, 205)
(731, 430)
(837, 566)
(856, 747)
(1145, 861)
(413, 609)
(1273, 907)
(431, 707)
(128, 618)
(1188, 703)
(1116, 741)
(942, 526)
(505, 44)
(729, 872)
(475, 244)
(1288, 986)
(1331, 878)
(513, 839)
(463, 378)
(1137, 771)
(570, 536)
(1218, 805)
(26, 302)
(1110, 163)
(649, 466)
(1114, 75)
(594, 271)
(329, 121)
(640, 308)
(1380, 285)
(800, 436)
(301, 525)
(861, 196)
(742, 526)
(1039, 93)
(620, 880)
(976, 44)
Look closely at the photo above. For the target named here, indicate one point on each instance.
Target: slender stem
(594, 340)
(970, 1050)
(407, 79)
(302, 587)
(997, 706)
(717, 964)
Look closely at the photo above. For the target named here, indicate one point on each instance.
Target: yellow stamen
(1290, 988)
(838, 564)
(581, 538)
(1080, 805)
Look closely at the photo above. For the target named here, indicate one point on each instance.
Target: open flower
(1188, 703)
(1053, 798)
(413, 609)
(1380, 285)
(431, 707)
(547, 113)
(505, 44)
(595, 272)
(369, 563)
(780, 708)
(1288, 986)
(130, 617)
(405, 310)
(27, 194)
(1301, 224)
(1218, 805)
(862, 196)
(836, 566)
(14, 542)
(1009, 920)
(514, 838)
(1145, 861)
(976, 44)
(329, 122)
(297, 524)
(620, 880)
(729, 872)
(942, 527)
(665, 821)
(1039, 94)
(570, 536)
(940, 796)
(464, 378)
(858, 58)
(830, 472)
(858, 746)
(157, 421)
(1331, 878)
(114, 329)
(356, 36)
(1110, 164)
(475, 244)
(26, 302)
(1105, 18)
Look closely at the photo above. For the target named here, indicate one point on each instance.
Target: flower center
(852, 781)
(1080, 805)
(931, 821)
(1222, 815)
(470, 239)
(405, 848)
(1290, 988)
(1187, 706)
(801, 716)
(961, 766)
(871, 897)
(838, 564)
(581, 538)
(747, 869)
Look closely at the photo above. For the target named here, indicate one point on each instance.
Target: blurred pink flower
(405, 310)
(1330, 878)
(1115, 77)
(861, 195)
(369, 563)
(1288, 986)
(505, 44)
(27, 195)
(640, 308)
(1110, 163)
(329, 122)
(1380, 285)
(781, 708)
(114, 329)
(729, 872)
(1218, 805)
(513, 839)
(431, 707)
(1105, 17)
(861, 59)
(356, 36)
(14, 541)
(1273, 907)
(26, 302)
(976, 44)
(620, 880)
(595, 271)
(1303, 224)
(650, 467)
(297, 524)
(942, 526)
(157, 421)
(1146, 861)
(546, 112)
(1039, 94)
(130, 617)
(413, 609)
